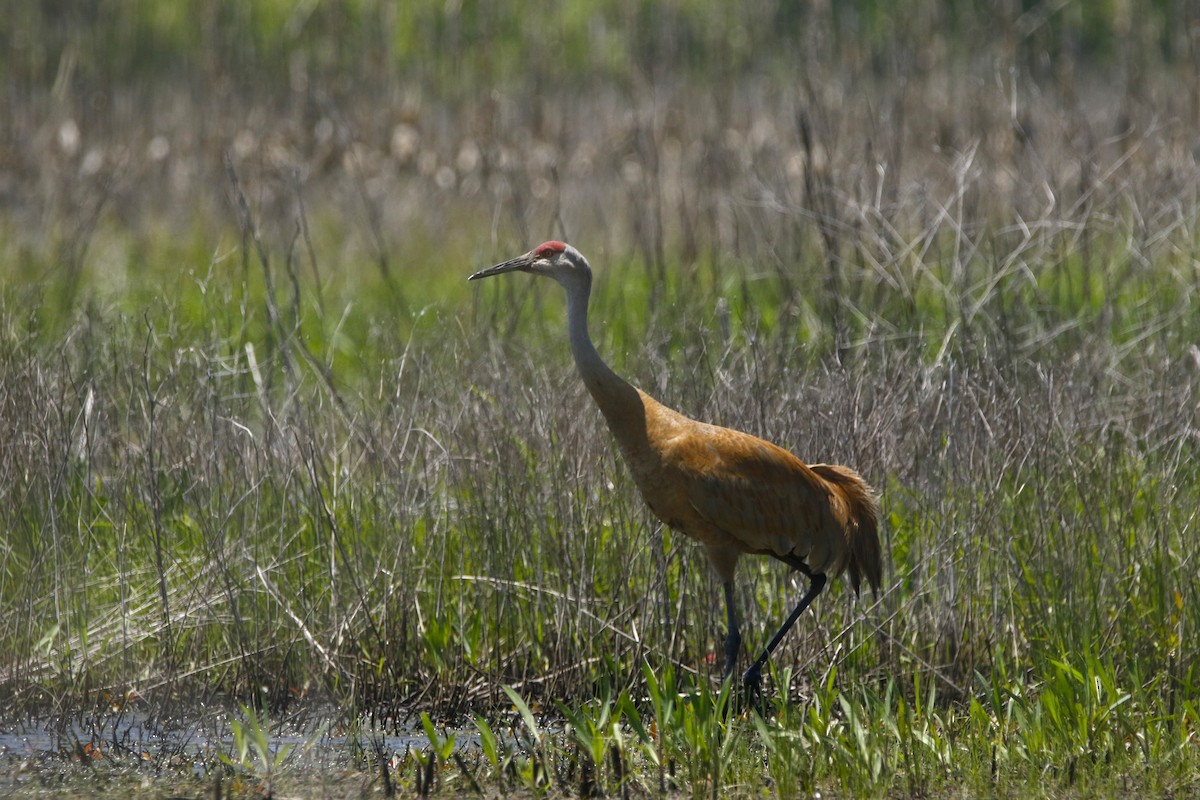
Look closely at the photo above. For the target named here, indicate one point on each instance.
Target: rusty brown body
(739, 494)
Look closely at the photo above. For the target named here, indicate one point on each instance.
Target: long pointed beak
(518, 264)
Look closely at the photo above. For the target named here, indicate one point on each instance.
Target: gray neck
(619, 401)
(595, 373)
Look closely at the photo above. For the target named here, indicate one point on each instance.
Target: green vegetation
(455, 47)
(259, 440)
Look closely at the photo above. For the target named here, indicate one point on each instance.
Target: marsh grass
(275, 448)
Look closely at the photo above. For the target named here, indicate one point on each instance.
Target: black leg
(733, 642)
(754, 675)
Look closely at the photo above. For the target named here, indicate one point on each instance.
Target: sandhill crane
(732, 492)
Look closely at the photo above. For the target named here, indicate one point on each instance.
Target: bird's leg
(733, 642)
(753, 676)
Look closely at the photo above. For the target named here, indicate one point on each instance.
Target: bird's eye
(549, 250)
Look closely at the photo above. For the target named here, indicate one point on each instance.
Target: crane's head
(555, 260)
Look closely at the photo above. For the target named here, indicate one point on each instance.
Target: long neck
(619, 401)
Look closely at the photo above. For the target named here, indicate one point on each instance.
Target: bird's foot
(751, 695)
(752, 679)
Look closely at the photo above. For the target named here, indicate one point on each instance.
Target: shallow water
(204, 739)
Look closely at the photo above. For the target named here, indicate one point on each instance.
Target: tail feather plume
(862, 530)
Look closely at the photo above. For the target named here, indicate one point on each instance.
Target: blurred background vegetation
(122, 112)
(267, 45)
